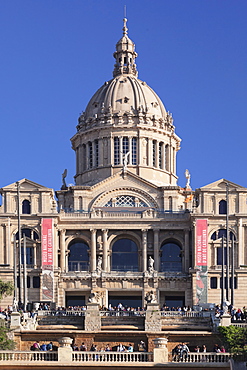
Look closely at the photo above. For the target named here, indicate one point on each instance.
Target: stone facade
(124, 210)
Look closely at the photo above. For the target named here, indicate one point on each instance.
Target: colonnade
(106, 265)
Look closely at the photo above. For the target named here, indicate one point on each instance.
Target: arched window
(116, 151)
(124, 255)
(26, 207)
(154, 152)
(134, 151)
(167, 157)
(161, 155)
(78, 259)
(218, 235)
(96, 152)
(222, 207)
(171, 259)
(31, 235)
(90, 155)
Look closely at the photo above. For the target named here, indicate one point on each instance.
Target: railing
(61, 313)
(112, 356)
(183, 313)
(117, 357)
(240, 324)
(28, 356)
(111, 213)
(201, 357)
(123, 313)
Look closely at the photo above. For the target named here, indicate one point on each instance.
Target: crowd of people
(181, 351)
(118, 348)
(43, 347)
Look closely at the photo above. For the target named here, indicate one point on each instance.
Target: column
(9, 250)
(101, 152)
(144, 250)
(150, 152)
(2, 242)
(62, 250)
(105, 250)
(186, 250)
(156, 251)
(157, 150)
(240, 244)
(93, 250)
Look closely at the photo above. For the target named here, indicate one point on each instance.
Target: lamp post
(19, 243)
(227, 243)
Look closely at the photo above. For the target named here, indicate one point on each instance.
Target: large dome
(125, 93)
(125, 125)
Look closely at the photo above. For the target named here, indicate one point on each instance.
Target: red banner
(47, 242)
(201, 242)
(47, 259)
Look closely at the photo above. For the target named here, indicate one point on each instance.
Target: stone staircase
(123, 323)
(186, 323)
(60, 322)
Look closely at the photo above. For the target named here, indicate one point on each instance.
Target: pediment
(125, 185)
(26, 185)
(220, 185)
(120, 179)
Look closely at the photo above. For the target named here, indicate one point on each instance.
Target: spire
(125, 55)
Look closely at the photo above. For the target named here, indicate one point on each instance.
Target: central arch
(124, 255)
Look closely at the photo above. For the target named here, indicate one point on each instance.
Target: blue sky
(56, 53)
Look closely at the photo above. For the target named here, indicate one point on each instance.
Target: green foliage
(6, 288)
(5, 343)
(235, 339)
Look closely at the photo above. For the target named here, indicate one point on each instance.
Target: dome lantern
(125, 55)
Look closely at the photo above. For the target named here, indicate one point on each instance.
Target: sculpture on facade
(125, 161)
(150, 264)
(187, 175)
(99, 264)
(64, 175)
(150, 297)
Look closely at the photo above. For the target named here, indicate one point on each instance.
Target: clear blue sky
(56, 53)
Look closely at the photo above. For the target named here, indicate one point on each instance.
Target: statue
(99, 264)
(93, 297)
(150, 297)
(125, 161)
(187, 175)
(64, 175)
(150, 264)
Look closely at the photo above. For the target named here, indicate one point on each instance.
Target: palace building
(125, 230)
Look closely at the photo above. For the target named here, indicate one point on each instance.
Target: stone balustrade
(110, 357)
(201, 357)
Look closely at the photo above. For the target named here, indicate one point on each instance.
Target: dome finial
(125, 29)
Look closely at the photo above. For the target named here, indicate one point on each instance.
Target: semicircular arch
(141, 197)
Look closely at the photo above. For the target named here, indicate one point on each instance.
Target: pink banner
(47, 259)
(47, 242)
(201, 242)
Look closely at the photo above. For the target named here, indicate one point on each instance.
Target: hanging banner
(47, 259)
(201, 261)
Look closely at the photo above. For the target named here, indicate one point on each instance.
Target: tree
(235, 339)
(5, 342)
(6, 288)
